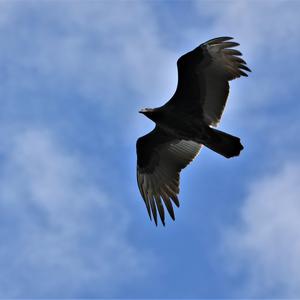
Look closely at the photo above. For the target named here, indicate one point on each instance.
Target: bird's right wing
(160, 158)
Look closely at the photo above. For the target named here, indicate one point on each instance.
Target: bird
(187, 122)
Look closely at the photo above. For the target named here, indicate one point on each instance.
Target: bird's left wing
(160, 158)
(203, 76)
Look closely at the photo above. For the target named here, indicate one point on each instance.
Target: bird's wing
(203, 76)
(160, 158)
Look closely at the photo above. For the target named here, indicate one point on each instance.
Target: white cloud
(262, 249)
(110, 54)
(93, 44)
(255, 29)
(61, 234)
(265, 244)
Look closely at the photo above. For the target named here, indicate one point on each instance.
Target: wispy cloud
(66, 68)
(62, 234)
(262, 249)
(72, 78)
(87, 51)
(269, 42)
(265, 245)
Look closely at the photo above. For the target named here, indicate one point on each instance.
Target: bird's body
(184, 123)
(178, 124)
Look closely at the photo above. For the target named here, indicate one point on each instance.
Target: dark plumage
(184, 123)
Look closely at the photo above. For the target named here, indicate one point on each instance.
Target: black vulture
(186, 122)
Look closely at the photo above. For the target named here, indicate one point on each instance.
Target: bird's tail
(223, 143)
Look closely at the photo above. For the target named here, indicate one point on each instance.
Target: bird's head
(150, 113)
(146, 111)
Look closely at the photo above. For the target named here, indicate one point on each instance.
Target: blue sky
(73, 76)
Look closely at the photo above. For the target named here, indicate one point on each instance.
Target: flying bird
(186, 122)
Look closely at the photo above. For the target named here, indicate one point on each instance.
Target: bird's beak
(142, 111)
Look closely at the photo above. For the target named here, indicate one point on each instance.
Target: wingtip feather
(243, 73)
(218, 40)
(244, 68)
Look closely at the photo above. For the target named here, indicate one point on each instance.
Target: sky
(73, 75)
